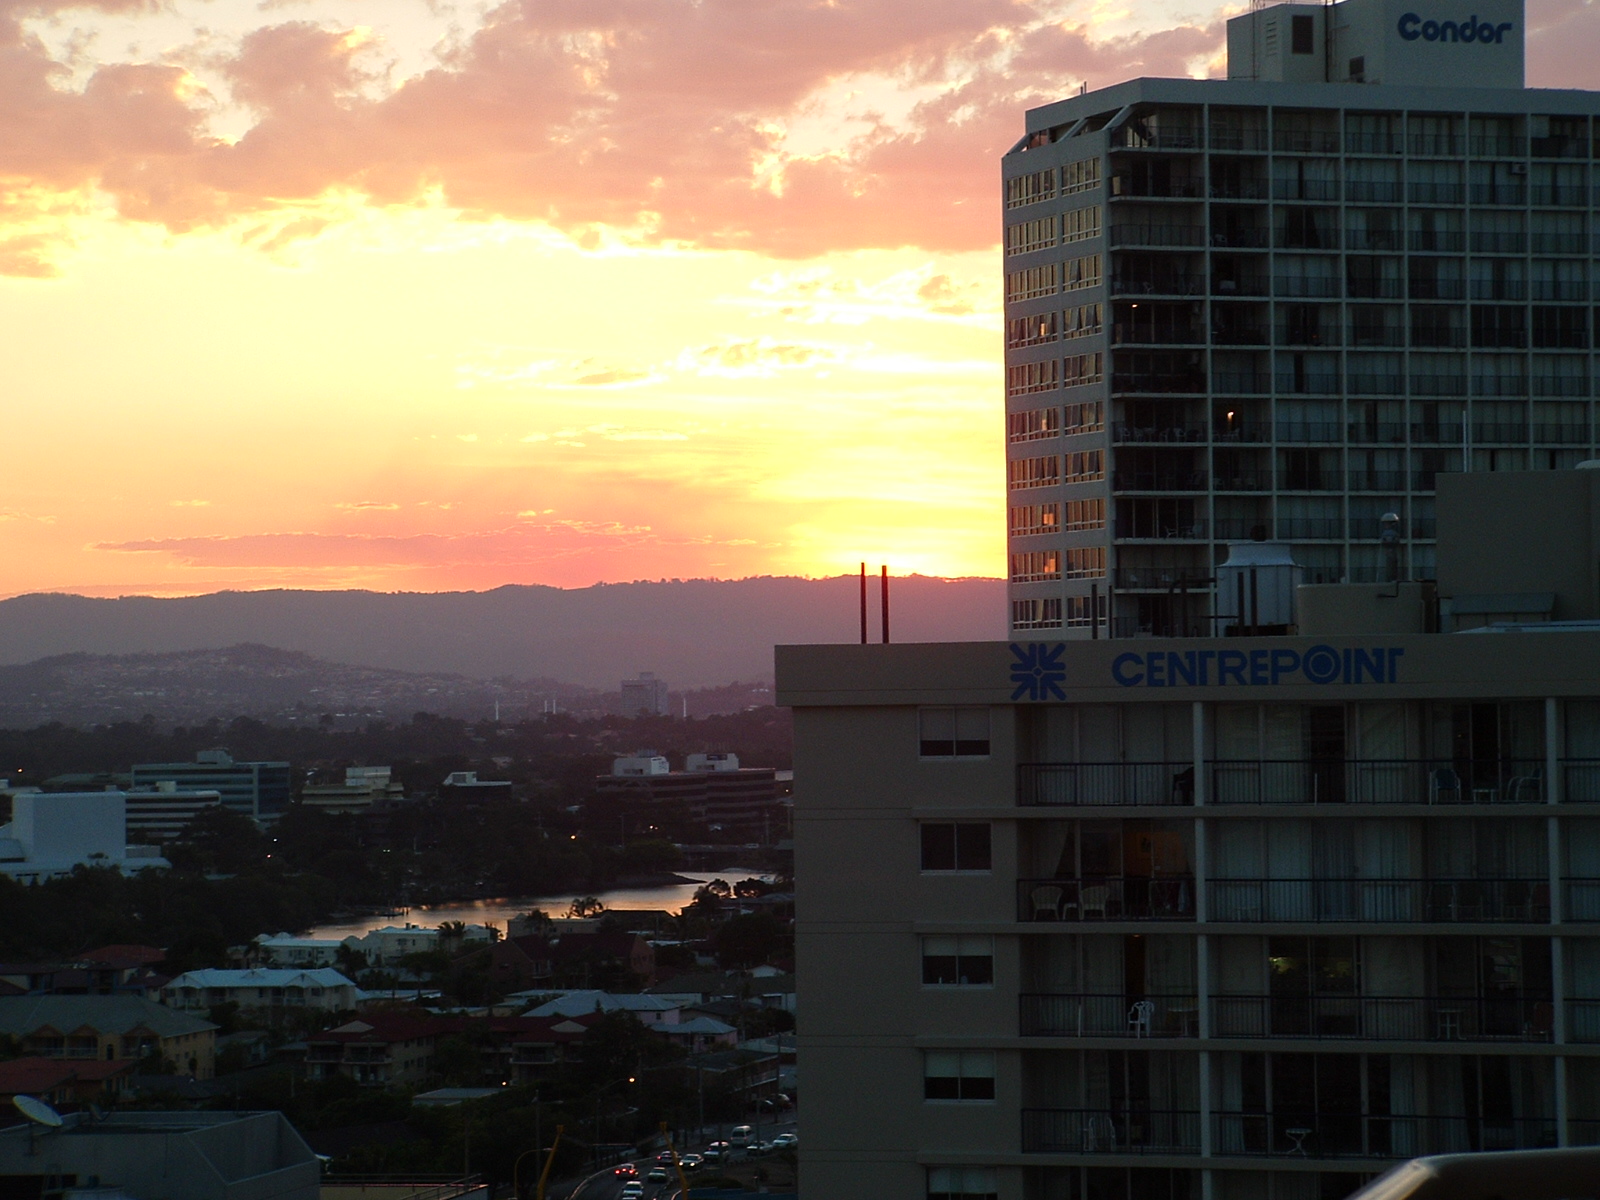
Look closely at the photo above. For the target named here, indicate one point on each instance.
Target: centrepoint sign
(1042, 670)
(1413, 27)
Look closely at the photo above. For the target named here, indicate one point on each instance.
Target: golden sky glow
(398, 295)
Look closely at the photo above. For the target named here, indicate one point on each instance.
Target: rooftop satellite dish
(37, 1111)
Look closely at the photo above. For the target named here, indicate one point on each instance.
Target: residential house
(261, 988)
(389, 1049)
(62, 1083)
(650, 1010)
(108, 1028)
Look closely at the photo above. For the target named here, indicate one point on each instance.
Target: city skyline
(318, 295)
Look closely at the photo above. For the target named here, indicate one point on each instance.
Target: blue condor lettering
(1412, 27)
(1257, 668)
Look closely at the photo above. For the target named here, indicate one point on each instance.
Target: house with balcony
(261, 989)
(108, 1028)
(383, 1050)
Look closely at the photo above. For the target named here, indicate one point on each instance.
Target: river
(672, 897)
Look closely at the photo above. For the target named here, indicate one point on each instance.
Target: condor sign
(1412, 27)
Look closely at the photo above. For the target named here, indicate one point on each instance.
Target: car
(632, 1190)
(758, 1149)
(718, 1151)
(785, 1140)
(742, 1135)
(657, 1175)
(664, 1159)
(625, 1170)
(691, 1162)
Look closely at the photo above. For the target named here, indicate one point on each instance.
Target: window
(1034, 424)
(1035, 281)
(1029, 189)
(1026, 519)
(957, 961)
(1081, 611)
(1087, 416)
(1084, 466)
(1036, 614)
(1036, 566)
(1077, 273)
(1301, 35)
(955, 733)
(963, 846)
(958, 1075)
(1085, 320)
(1034, 472)
(1086, 514)
(1078, 369)
(962, 1183)
(1030, 331)
(1080, 176)
(1027, 378)
(1031, 235)
(1085, 562)
(1080, 224)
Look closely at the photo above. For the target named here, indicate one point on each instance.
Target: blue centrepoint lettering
(1319, 665)
(1119, 672)
(1411, 27)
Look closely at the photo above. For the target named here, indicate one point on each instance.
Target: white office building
(51, 833)
(1276, 307)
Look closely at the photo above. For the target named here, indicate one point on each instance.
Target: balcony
(1076, 784)
(1306, 383)
(1239, 239)
(1193, 530)
(1583, 1021)
(1156, 333)
(1106, 898)
(1580, 777)
(1158, 382)
(1442, 901)
(1438, 385)
(1241, 383)
(1376, 781)
(1305, 141)
(1238, 189)
(1163, 579)
(1333, 1135)
(1383, 433)
(1239, 140)
(1158, 433)
(1583, 899)
(1384, 1018)
(1514, 433)
(1447, 241)
(1498, 242)
(1158, 481)
(1371, 143)
(1303, 286)
(1073, 1015)
(1242, 481)
(1110, 1131)
(1367, 287)
(1559, 243)
(1311, 529)
(1559, 195)
(1158, 235)
(1173, 283)
(1506, 194)
(1376, 191)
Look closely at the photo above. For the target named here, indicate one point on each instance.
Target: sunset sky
(426, 295)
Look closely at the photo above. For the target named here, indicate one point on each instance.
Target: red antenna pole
(863, 604)
(886, 604)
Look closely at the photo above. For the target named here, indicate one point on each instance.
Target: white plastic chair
(1140, 1016)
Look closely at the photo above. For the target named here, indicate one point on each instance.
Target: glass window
(960, 846)
(962, 1183)
(958, 1075)
(953, 732)
(950, 961)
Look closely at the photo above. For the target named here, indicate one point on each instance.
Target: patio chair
(1095, 900)
(1444, 786)
(1140, 1016)
(1047, 902)
(1525, 789)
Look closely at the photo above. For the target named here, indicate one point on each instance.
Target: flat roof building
(258, 790)
(1280, 306)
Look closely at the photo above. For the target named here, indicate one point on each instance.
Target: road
(606, 1184)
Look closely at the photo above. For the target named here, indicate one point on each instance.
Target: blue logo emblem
(1038, 671)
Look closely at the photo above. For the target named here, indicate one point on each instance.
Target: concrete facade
(1233, 918)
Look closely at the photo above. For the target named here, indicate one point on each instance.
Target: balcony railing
(1239, 239)
(1583, 1020)
(1076, 784)
(1113, 1015)
(1159, 481)
(1110, 1131)
(1583, 899)
(1158, 382)
(1384, 1018)
(1238, 189)
(1336, 1135)
(1524, 901)
(1165, 284)
(1175, 433)
(1158, 235)
(1377, 781)
(1106, 898)
(1158, 531)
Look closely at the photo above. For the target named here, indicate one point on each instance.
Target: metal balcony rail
(1387, 432)
(1558, 243)
(1372, 143)
(1158, 235)
(1162, 578)
(1305, 189)
(1583, 1020)
(1559, 289)
(1238, 189)
(1444, 240)
(1307, 337)
(1439, 385)
(1369, 288)
(1306, 141)
(1561, 385)
(1372, 239)
(1384, 1018)
(1509, 194)
(1311, 528)
(1240, 433)
(1128, 138)
(1580, 778)
(1307, 285)
(1241, 383)
(1504, 289)
(1242, 481)
(1156, 530)
(1239, 336)
(1239, 239)
(1444, 433)
(1582, 898)
(1116, 783)
(1150, 333)
(1238, 139)
(1158, 433)
(1110, 1131)
(1514, 432)
(1373, 481)
(1497, 385)
(1158, 481)
(1558, 195)
(1310, 382)
(1173, 283)
(1151, 189)
(1378, 781)
(1497, 242)
(1108, 1015)
(1373, 191)
(1240, 285)
(1494, 145)
(1523, 901)
(1424, 288)
(1435, 193)
(1162, 382)
(1435, 145)
(1376, 335)
(1354, 1135)
(1106, 898)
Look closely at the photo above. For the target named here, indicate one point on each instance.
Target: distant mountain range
(692, 633)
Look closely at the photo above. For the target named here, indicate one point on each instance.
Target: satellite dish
(37, 1111)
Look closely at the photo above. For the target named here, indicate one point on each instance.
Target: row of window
(1080, 466)
(1043, 566)
(1074, 225)
(1069, 275)
(1086, 416)
(1080, 176)
(1083, 320)
(1036, 614)
(1073, 515)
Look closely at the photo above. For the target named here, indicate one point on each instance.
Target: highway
(606, 1184)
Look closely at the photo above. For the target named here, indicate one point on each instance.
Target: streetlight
(516, 1167)
(598, 1092)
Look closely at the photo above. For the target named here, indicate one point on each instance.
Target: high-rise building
(645, 696)
(259, 790)
(1276, 307)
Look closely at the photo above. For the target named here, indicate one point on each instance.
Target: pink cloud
(654, 114)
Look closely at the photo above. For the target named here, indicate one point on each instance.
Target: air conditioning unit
(1519, 168)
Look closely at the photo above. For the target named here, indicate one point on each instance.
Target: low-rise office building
(51, 834)
(258, 790)
(162, 813)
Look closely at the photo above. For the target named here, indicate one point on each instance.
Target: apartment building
(1278, 306)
